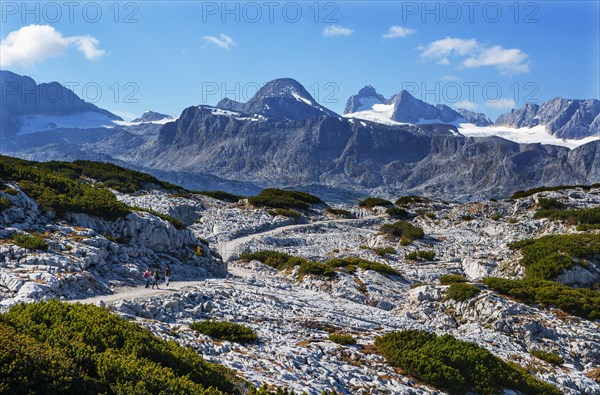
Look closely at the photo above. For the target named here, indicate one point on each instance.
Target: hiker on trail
(167, 276)
(147, 276)
(155, 279)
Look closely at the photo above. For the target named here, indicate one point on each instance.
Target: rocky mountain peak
(283, 87)
(409, 109)
(476, 118)
(150, 116)
(283, 98)
(366, 98)
(368, 91)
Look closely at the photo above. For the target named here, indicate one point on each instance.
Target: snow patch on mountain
(87, 120)
(536, 134)
(380, 113)
(302, 99)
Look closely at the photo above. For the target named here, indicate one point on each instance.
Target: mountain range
(405, 108)
(282, 137)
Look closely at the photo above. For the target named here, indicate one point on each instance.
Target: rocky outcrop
(88, 255)
(476, 118)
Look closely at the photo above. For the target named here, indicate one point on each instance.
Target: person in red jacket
(147, 277)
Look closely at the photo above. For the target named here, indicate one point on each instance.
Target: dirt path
(125, 293)
(227, 249)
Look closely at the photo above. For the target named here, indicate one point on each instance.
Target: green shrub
(374, 202)
(548, 356)
(4, 203)
(344, 339)
(54, 347)
(57, 187)
(174, 221)
(11, 191)
(522, 194)
(31, 242)
(351, 263)
(466, 217)
(111, 176)
(411, 256)
(547, 257)
(426, 255)
(455, 366)
(461, 291)
(28, 366)
(279, 198)
(339, 212)
(420, 255)
(404, 230)
(396, 212)
(404, 200)
(587, 227)
(315, 268)
(587, 216)
(220, 195)
(282, 261)
(581, 302)
(496, 217)
(549, 203)
(286, 212)
(448, 279)
(223, 330)
(381, 251)
(275, 259)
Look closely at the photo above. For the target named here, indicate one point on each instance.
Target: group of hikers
(152, 278)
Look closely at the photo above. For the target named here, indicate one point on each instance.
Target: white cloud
(333, 31)
(88, 45)
(398, 32)
(501, 104)
(468, 105)
(475, 54)
(447, 47)
(223, 41)
(508, 61)
(34, 43)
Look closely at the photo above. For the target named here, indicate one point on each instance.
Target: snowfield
(86, 120)
(537, 134)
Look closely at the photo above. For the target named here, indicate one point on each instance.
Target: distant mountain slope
(28, 107)
(563, 118)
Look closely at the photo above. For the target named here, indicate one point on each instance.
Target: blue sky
(488, 56)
